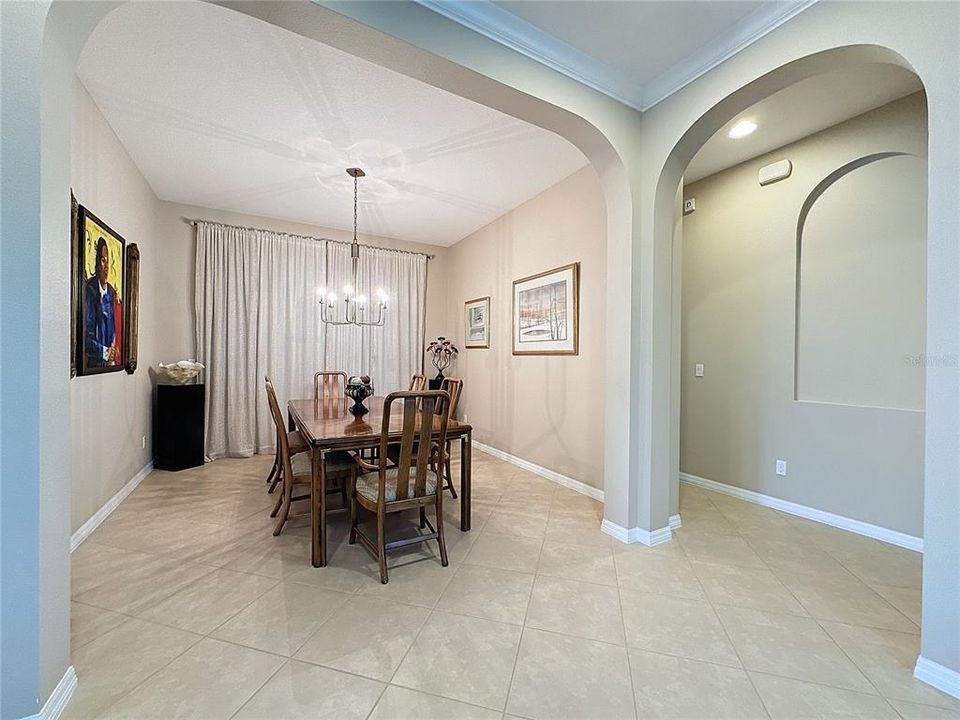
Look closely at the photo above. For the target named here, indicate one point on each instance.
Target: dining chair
(418, 383)
(453, 387)
(413, 482)
(329, 384)
(296, 469)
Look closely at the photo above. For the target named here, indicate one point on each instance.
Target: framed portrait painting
(546, 309)
(99, 294)
(476, 313)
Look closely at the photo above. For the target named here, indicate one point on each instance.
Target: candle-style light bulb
(332, 297)
(362, 299)
(348, 289)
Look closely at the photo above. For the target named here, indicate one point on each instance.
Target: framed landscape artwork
(98, 299)
(476, 314)
(546, 310)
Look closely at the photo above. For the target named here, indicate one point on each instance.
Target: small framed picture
(476, 314)
(546, 309)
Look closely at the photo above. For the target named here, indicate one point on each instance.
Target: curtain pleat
(257, 314)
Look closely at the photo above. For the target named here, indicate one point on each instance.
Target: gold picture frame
(546, 312)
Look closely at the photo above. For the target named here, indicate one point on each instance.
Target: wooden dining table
(327, 425)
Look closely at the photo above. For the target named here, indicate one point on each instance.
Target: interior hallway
(184, 605)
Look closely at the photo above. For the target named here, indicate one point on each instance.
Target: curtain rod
(195, 222)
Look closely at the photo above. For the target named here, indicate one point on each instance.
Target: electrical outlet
(143, 443)
(689, 206)
(782, 467)
(698, 369)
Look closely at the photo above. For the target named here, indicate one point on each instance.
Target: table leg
(318, 507)
(465, 462)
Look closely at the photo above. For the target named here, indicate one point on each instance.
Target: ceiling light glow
(742, 128)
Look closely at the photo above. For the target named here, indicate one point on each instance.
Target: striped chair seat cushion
(368, 485)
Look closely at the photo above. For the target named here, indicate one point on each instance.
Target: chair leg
(276, 474)
(273, 472)
(440, 539)
(423, 517)
(285, 508)
(381, 547)
(453, 492)
(276, 507)
(353, 515)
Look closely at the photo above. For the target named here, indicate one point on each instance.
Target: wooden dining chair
(296, 469)
(453, 387)
(329, 384)
(413, 482)
(418, 383)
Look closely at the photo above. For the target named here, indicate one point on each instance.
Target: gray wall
(853, 438)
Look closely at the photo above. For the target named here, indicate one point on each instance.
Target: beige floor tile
(575, 608)
(505, 552)
(281, 620)
(688, 628)
(347, 570)
(576, 528)
(415, 578)
(275, 557)
(847, 602)
(462, 658)
(301, 691)
(88, 623)
(719, 549)
(210, 601)
(915, 711)
(657, 574)
(211, 681)
(906, 600)
(792, 646)
(366, 637)
(142, 587)
(787, 699)
(114, 663)
(578, 562)
(746, 587)
(888, 659)
(92, 565)
(566, 501)
(524, 519)
(399, 703)
(703, 521)
(500, 595)
(560, 677)
(679, 689)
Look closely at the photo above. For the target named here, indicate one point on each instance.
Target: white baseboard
(675, 523)
(838, 521)
(84, 531)
(942, 678)
(53, 708)
(636, 535)
(543, 472)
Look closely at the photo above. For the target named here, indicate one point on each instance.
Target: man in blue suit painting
(101, 314)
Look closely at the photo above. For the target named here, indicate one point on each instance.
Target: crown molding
(760, 22)
(502, 26)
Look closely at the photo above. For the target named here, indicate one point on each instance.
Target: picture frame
(99, 291)
(546, 312)
(131, 323)
(476, 318)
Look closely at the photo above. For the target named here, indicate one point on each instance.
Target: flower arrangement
(442, 353)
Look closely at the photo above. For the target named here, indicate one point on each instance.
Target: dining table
(327, 425)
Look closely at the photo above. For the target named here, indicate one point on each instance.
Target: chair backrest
(283, 449)
(417, 383)
(424, 413)
(453, 386)
(329, 384)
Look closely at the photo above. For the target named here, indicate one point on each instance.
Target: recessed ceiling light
(742, 128)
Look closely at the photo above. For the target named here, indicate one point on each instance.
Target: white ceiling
(224, 111)
(636, 52)
(802, 109)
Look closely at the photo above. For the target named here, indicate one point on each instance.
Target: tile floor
(185, 605)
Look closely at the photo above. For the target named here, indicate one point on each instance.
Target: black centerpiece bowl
(358, 389)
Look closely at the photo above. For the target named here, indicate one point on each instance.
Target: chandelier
(354, 304)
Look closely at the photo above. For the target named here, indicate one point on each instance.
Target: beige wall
(545, 409)
(854, 439)
(110, 414)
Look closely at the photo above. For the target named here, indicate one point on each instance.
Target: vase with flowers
(442, 353)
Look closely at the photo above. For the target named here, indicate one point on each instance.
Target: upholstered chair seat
(368, 485)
